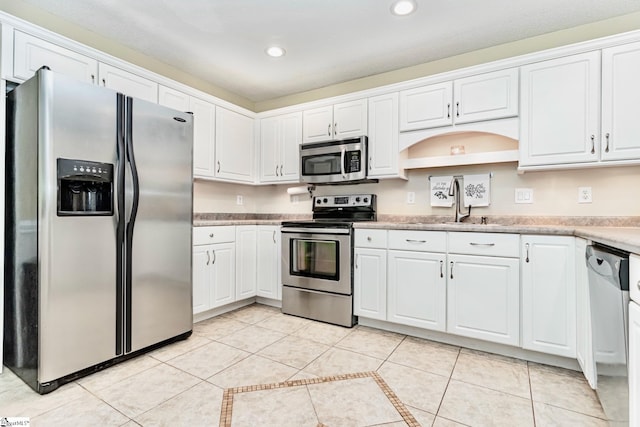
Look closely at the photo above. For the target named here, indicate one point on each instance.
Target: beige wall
(616, 192)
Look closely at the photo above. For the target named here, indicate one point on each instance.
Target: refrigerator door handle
(121, 156)
(132, 219)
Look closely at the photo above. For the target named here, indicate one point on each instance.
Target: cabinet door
(173, 98)
(383, 136)
(234, 146)
(426, 107)
(620, 94)
(31, 53)
(584, 345)
(486, 96)
(268, 270)
(127, 83)
(634, 364)
(370, 283)
(317, 124)
(204, 120)
(350, 119)
(560, 110)
(290, 140)
(417, 289)
(269, 149)
(483, 299)
(549, 295)
(223, 280)
(245, 261)
(201, 278)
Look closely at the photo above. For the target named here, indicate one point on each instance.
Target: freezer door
(159, 230)
(77, 323)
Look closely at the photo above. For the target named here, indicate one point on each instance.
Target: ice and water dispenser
(84, 188)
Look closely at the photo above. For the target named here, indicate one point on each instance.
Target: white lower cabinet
(370, 283)
(483, 298)
(634, 362)
(246, 261)
(268, 262)
(201, 278)
(549, 294)
(417, 289)
(213, 276)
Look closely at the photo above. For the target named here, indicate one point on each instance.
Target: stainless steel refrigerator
(98, 228)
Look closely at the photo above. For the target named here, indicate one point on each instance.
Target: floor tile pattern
(402, 381)
(226, 415)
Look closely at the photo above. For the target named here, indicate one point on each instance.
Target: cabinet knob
(335, 128)
(329, 129)
(208, 258)
(527, 257)
(104, 82)
(457, 109)
(368, 238)
(606, 150)
(211, 235)
(93, 78)
(593, 144)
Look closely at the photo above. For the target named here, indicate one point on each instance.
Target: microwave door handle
(342, 157)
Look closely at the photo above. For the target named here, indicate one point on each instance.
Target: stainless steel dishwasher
(609, 299)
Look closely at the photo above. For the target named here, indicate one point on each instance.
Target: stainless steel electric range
(317, 259)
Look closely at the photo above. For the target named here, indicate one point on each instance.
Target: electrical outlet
(239, 200)
(411, 197)
(584, 195)
(524, 195)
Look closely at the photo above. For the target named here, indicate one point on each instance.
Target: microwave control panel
(353, 161)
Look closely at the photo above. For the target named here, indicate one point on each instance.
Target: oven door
(318, 259)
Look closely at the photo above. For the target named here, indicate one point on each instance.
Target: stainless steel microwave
(334, 161)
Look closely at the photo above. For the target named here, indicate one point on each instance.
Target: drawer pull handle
(527, 247)
(274, 236)
(415, 241)
(482, 244)
(451, 268)
(441, 272)
(593, 144)
(357, 256)
(606, 150)
(208, 258)
(214, 257)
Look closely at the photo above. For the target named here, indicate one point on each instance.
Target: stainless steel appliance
(608, 271)
(98, 228)
(334, 161)
(317, 259)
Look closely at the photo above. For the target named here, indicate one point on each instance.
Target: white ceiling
(327, 41)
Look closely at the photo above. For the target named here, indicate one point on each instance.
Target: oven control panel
(360, 200)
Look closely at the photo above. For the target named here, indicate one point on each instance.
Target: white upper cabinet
(384, 158)
(234, 146)
(31, 53)
(280, 139)
(620, 138)
(471, 99)
(173, 98)
(339, 121)
(204, 134)
(560, 110)
(127, 83)
(549, 294)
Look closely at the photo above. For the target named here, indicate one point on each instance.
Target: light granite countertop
(622, 233)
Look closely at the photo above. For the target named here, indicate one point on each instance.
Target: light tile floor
(183, 383)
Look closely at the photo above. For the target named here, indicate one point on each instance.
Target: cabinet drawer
(422, 241)
(371, 239)
(490, 244)
(208, 235)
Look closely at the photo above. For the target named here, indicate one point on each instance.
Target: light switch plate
(239, 200)
(524, 195)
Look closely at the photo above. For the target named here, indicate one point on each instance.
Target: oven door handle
(343, 154)
(316, 231)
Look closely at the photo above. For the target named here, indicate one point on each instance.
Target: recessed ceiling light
(275, 51)
(403, 7)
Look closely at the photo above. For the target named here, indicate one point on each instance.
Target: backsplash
(615, 190)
